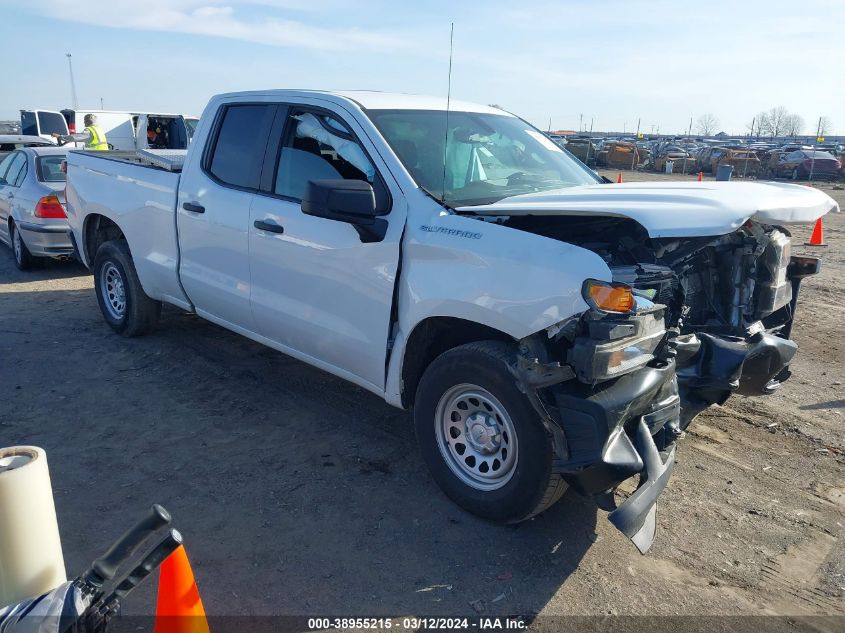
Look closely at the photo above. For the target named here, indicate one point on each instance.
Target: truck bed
(140, 197)
(170, 160)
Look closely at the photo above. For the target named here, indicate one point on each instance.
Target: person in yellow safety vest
(93, 135)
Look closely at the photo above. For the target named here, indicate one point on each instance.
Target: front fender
(512, 281)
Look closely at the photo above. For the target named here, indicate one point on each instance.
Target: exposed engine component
(722, 284)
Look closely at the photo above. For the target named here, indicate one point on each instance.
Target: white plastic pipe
(31, 561)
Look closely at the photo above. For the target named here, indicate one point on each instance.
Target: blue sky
(612, 62)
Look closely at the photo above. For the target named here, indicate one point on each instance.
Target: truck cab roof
(375, 100)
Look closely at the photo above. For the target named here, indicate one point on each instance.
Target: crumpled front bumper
(636, 518)
(626, 428)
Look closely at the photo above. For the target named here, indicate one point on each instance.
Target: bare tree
(793, 124)
(706, 124)
(825, 126)
(764, 126)
(773, 121)
(495, 105)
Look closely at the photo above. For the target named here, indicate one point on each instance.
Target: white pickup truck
(548, 329)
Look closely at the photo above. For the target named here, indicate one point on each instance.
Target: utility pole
(101, 104)
(580, 122)
(813, 157)
(689, 131)
(72, 83)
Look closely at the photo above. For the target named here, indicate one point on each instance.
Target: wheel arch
(431, 337)
(98, 229)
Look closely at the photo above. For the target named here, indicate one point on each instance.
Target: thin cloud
(215, 19)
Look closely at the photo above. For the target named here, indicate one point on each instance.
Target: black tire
(139, 313)
(24, 260)
(532, 486)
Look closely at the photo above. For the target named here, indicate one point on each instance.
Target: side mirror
(350, 201)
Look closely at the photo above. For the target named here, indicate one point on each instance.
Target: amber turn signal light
(608, 297)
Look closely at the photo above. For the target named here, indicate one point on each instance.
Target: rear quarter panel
(142, 202)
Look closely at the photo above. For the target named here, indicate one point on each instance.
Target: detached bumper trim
(637, 517)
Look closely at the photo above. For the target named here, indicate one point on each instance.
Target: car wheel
(24, 260)
(480, 437)
(123, 302)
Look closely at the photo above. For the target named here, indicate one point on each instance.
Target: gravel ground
(298, 493)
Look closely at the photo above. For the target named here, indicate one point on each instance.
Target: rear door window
(237, 152)
(49, 122)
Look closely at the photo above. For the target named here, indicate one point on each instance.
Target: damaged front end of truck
(712, 316)
(605, 384)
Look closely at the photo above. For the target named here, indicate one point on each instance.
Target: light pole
(72, 83)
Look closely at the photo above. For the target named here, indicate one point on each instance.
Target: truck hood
(675, 209)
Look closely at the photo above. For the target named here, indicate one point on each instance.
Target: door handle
(261, 225)
(193, 207)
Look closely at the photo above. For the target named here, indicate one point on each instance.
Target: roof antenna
(448, 100)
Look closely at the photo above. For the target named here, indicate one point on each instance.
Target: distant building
(721, 135)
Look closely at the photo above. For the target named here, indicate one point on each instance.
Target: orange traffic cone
(700, 176)
(619, 179)
(817, 238)
(179, 608)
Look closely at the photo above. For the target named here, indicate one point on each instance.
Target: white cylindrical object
(31, 561)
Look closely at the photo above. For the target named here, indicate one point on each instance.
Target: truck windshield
(480, 159)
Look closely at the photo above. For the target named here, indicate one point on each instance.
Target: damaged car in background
(547, 330)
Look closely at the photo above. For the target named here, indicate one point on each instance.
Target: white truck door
(213, 214)
(141, 132)
(318, 291)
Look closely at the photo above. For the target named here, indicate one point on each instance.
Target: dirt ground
(298, 493)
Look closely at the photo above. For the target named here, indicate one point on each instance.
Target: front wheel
(480, 437)
(123, 302)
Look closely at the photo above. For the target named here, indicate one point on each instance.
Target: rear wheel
(480, 437)
(123, 302)
(24, 260)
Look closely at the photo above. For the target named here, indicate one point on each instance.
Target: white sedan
(32, 205)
